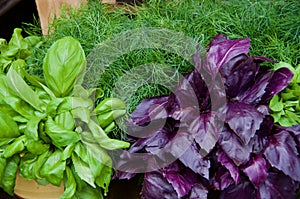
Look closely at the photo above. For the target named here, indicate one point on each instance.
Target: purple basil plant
(216, 131)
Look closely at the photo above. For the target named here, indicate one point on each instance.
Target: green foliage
(285, 105)
(17, 50)
(49, 128)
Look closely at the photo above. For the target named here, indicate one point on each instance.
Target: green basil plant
(50, 129)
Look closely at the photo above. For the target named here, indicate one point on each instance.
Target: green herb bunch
(17, 50)
(50, 130)
(285, 105)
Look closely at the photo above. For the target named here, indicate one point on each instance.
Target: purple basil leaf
(192, 91)
(253, 94)
(238, 74)
(193, 159)
(156, 186)
(257, 170)
(198, 192)
(217, 39)
(219, 53)
(280, 79)
(205, 130)
(282, 154)
(222, 179)
(278, 186)
(149, 109)
(182, 181)
(229, 165)
(244, 120)
(241, 191)
(295, 131)
(237, 151)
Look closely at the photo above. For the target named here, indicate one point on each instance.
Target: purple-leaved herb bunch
(235, 150)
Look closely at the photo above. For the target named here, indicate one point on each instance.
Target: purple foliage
(233, 149)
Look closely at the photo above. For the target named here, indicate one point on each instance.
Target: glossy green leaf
(33, 41)
(3, 162)
(4, 89)
(15, 147)
(41, 159)
(8, 127)
(104, 178)
(26, 167)
(110, 104)
(64, 62)
(81, 113)
(54, 167)
(276, 104)
(103, 140)
(9, 177)
(36, 147)
(68, 151)
(65, 120)
(19, 86)
(83, 170)
(17, 40)
(32, 128)
(20, 106)
(59, 135)
(84, 190)
(52, 106)
(70, 185)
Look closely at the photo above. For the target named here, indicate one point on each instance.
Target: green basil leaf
(17, 40)
(276, 104)
(83, 170)
(20, 106)
(110, 104)
(104, 178)
(36, 147)
(60, 135)
(70, 185)
(103, 140)
(9, 177)
(68, 151)
(84, 190)
(33, 41)
(32, 128)
(15, 147)
(5, 141)
(39, 163)
(64, 62)
(4, 89)
(19, 86)
(52, 106)
(3, 162)
(26, 167)
(81, 113)
(71, 103)
(65, 120)
(8, 127)
(54, 167)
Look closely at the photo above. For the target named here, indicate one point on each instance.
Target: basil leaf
(3, 162)
(60, 136)
(36, 147)
(84, 190)
(17, 40)
(54, 167)
(64, 62)
(26, 167)
(15, 147)
(103, 140)
(32, 128)
(83, 170)
(9, 176)
(70, 185)
(19, 86)
(104, 178)
(20, 106)
(66, 120)
(39, 163)
(8, 127)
